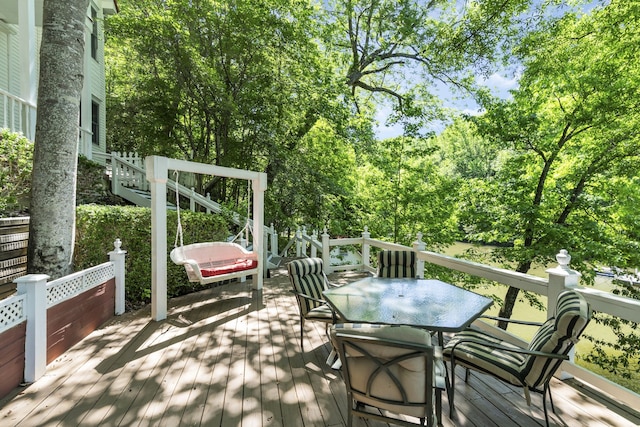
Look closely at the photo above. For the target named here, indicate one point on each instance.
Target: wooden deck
(230, 357)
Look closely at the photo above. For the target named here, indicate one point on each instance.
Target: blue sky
(498, 83)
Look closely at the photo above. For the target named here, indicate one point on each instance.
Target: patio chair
(309, 281)
(530, 368)
(390, 372)
(396, 264)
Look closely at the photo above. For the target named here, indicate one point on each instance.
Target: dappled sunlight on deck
(231, 356)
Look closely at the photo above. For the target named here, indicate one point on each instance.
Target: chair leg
(544, 403)
(439, 406)
(301, 334)
(451, 387)
(553, 408)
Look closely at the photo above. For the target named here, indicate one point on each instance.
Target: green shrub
(97, 227)
(16, 161)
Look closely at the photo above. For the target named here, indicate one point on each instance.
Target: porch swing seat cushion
(214, 261)
(228, 266)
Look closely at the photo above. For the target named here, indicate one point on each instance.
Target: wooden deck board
(225, 357)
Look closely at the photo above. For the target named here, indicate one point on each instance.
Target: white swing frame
(157, 168)
(197, 257)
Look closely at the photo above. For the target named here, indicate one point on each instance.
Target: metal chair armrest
(509, 349)
(309, 297)
(516, 321)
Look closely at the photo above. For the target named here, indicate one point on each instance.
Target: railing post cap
(117, 244)
(32, 278)
(563, 268)
(563, 258)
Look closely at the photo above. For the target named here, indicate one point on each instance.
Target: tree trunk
(507, 308)
(512, 295)
(52, 210)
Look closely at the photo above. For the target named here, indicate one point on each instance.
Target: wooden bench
(215, 261)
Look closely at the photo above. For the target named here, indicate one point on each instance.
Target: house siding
(11, 73)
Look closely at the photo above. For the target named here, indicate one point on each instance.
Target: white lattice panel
(12, 312)
(96, 276)
(69, 286)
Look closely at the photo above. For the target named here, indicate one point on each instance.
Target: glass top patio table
(424, 303)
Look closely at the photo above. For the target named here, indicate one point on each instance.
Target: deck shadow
(185, 319)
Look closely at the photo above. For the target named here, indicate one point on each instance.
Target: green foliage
(568, 139)
(236, 84)
(316, 186)
(563, 175)
(622, 356)
(97, 227)
(402, 52)
(16, 161)
(401, 194)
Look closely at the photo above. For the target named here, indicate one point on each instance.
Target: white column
(419, 246)
(298, 242)
(274, 241)
(366, 262)
(157, 171)
(561, 278)
(259, 186)
(84, 140)
(117, 257)
(28, 56)
(314, 237)
(35, 347)
(303, 242)
(326, 252)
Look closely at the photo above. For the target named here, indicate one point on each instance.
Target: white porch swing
(211, 262)
(157, 168)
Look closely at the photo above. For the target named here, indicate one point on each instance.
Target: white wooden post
(298, 242)
(28, 62)
(35, 347)
(84, 138)
(157, 175)
(314, 237)
(419, 246)
(115, 178)
(192, 200)
(274, 241)
(244, 243)
(326, 252)
(366, 262)
(265, 255)
(303, 241)
(561, 278)
(117, 256)
(259, 186)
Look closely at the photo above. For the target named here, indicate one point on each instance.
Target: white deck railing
(34, 296)
(559, 278)
(17, 114)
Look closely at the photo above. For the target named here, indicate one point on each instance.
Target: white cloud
(499, 84)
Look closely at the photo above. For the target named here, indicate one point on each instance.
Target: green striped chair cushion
(503, 364)
(558, 335)
(307, 277)
(394, 264)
